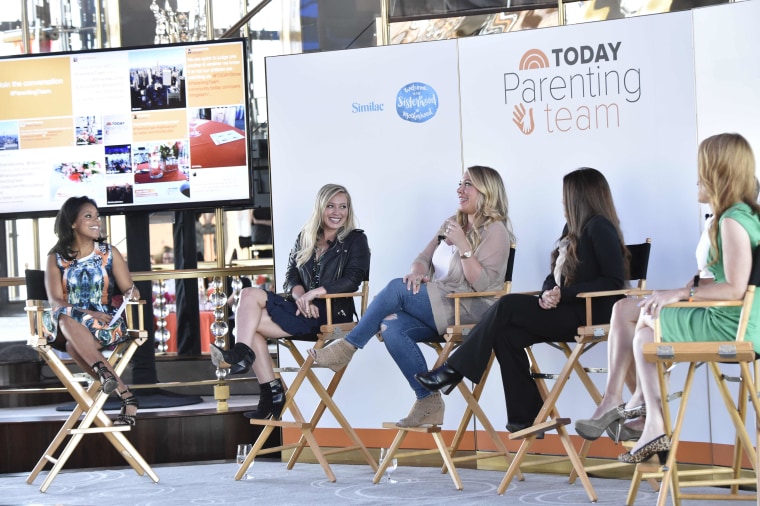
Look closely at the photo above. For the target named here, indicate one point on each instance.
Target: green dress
(716, 323)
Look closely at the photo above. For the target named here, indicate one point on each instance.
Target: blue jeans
(407, 319)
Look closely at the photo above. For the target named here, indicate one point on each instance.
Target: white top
(703, 250)
(441, 260)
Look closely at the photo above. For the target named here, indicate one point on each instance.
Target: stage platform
(162, 435)
(166, 430)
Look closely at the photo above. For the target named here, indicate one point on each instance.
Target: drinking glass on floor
(242, 452)
(391, 466)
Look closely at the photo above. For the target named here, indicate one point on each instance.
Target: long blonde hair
(492, 204)
(726, 171)
(586, 193)
(312, 231)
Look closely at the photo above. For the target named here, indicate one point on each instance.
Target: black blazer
(601, 267)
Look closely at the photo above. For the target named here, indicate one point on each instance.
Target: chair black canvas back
(35, 284)
(639, 259)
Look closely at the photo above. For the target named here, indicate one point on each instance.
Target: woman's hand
(304, 303)
(549, 299)
(100, 316)
(455, 235)
(132, 295)
(652, 304)
(414, 279)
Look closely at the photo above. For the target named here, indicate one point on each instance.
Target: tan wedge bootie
(335, 355)
(427, 411)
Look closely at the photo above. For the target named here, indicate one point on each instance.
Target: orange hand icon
(518, 118)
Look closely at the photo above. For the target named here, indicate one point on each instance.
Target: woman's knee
(396, 286)
(70, 327)
(389, 327)
(626, 310)
(252, 295)
(642, 336)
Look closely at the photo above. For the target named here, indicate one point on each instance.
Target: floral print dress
(88, 283)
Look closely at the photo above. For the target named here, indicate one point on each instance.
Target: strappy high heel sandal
(107, 380)
(129, 407)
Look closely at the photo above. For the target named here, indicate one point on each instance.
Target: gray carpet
(271, 483)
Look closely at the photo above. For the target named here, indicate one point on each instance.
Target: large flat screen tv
(136, 129)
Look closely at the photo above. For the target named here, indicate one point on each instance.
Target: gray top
(492, 253)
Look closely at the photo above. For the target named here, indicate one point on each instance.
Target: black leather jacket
(342, 269)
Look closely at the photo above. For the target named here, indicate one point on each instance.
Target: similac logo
(578, 89)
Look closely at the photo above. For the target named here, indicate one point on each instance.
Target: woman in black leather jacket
(330, 255)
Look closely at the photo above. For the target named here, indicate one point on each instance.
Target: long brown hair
(492, 204)
(726, 170)
(586, 194)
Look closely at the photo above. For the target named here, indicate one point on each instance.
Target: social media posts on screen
(217, 137)
(35, 88)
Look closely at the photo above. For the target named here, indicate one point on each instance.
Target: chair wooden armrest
(638, 292)
(706, 303)
(468, 295)
(336, 329)
(698, 351)
(338, 295)
(590, 296)
(604, 293)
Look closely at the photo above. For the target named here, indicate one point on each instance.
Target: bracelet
(692, 291)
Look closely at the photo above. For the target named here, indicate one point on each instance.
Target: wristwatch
(466, 254)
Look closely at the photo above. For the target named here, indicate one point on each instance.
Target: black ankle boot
(443, 378)
(238, 360)
(271, 400)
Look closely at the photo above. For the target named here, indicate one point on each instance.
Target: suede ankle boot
(426, 411)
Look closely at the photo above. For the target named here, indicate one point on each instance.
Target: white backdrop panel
(728, 77)
(644, 141)
(641, 70)
(402, 175)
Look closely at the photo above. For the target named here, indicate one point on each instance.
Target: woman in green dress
(726, 173)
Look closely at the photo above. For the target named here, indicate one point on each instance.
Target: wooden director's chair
(89, 399)
(451, 340)
(328, 332)
(739, 352)
(548, 417)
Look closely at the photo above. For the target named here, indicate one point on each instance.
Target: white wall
(402, 175)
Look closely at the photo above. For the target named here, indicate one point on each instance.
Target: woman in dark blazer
(590, 256)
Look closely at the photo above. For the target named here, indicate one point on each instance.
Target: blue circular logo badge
(416, 102)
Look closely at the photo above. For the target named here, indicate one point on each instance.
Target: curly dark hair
(64, 222)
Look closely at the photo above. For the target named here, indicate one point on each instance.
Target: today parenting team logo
(571, 89)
